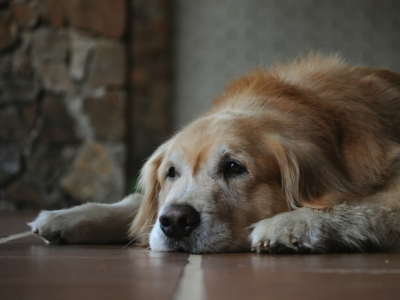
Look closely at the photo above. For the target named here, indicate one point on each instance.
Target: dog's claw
(266, 243)
(261, 246)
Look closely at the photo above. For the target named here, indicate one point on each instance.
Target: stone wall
(150, 79)
(63, 102)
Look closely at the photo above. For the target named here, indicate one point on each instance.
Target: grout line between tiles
(14, 237)
(191, 284)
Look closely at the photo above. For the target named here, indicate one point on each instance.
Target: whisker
(230, 239)
(248, 227)
(134, 239)
(144, 227)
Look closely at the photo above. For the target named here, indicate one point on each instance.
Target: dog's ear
(308, 175)
(149, 186)
(290, 175)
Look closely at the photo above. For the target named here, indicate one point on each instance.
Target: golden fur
(320, 145)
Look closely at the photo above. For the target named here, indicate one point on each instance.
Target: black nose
(178, 220)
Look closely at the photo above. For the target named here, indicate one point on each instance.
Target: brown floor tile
(41, 271)
(252, 276)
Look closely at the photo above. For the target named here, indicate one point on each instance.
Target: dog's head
(208, 184)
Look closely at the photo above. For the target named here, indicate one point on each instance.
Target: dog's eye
(233, 169)
(171, 172)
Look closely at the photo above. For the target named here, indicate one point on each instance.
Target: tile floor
(30, 269)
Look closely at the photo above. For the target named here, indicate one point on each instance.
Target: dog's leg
(91, 223)
(341, 228)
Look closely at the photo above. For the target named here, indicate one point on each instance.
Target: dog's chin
(200, 241)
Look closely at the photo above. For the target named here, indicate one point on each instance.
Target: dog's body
(305, 158)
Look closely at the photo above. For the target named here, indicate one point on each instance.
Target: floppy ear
(149, 185)
(290, 175)
(308, 176)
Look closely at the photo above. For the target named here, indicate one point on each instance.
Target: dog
(304, 158)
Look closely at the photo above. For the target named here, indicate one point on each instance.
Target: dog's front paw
(52, 226)
(297, 231)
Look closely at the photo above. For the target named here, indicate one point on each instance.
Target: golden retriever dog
(304, 158)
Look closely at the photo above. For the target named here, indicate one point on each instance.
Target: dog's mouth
(190, 244)
(196, 249)
(173, 247)
(205, 239)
